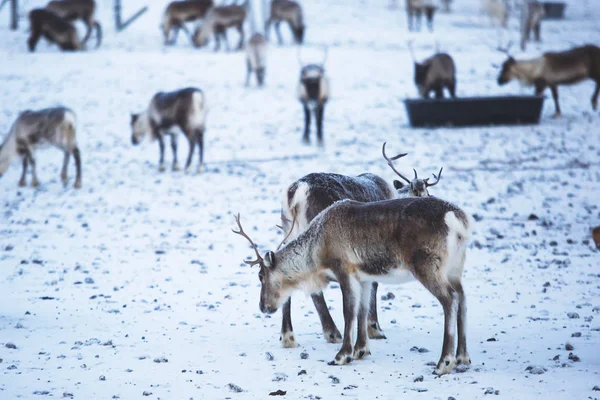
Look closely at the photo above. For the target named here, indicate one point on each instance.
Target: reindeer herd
(357, 231)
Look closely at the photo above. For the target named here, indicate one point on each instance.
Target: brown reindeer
(304, 199)
(555, 68)
(73, 10)
(52, 27)
(286, 11)
(217, 21)
(414, 10)
(313, 93)
(392, 241)
(532, 14)
(184, 109)
(434, 74)
(178, 13)
(50, 126)
(256, 58)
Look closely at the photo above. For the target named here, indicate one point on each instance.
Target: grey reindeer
(356, 244)
(184, 109)
(50, 126)
(290, 12)
(256, 58)
(304, 199)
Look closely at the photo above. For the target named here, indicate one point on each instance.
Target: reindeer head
(417, 187)
(139, 128)
(421, 72)
(299, 34)
(506, 73)
(273, 292)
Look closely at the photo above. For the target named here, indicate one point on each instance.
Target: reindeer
(414, 9)
(497, 10)
(531, 19)
(72, 10)
(434, 74)
(553, 69)
(288, 11)
(391, 241)
(54, 28)
(184, 109)
(304, 199)
(178, 13)
(217, 20)
(313, 93)
(256, 58)
(50, 126)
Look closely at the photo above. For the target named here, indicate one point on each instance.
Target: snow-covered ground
(135, 284)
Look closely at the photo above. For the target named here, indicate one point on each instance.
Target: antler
(437, 178)
(416, 177)
(391, 164)
(506, 49)
(241, 232)
(289, 233)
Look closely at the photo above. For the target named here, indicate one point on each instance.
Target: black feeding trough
(554, 10)
(472, 111)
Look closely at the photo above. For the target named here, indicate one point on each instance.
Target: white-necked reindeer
(256, 58)
(184, 109)
(50, 126)
(313, 93)
(392, 241)
(304, 199)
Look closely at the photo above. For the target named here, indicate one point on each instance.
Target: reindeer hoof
(35, 183)
(446, 365)
(557, 115)
(22, 183)
(288, 340)
(176, 167)
(162, 168)
(200, 169)
(464, 359)
(341, 361)
(375, 331)
(333, 337)
(361, 353)
(77, 185)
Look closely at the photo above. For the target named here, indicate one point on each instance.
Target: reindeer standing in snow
(313, 93)
(73, 10)
(54, 126)
(184, 109)
(256, 58)
(304, 199)
(44, 23)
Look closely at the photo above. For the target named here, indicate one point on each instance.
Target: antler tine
(289, 233)
(241, 232)
(389, 161)
(416, 177)
(437, 178)
(507, 49)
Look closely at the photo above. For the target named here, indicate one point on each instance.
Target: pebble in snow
(234, 388)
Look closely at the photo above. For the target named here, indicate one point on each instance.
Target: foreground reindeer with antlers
(44, 23)
(178, 13)
(73, 10)
(313, 93)
(217, 20)
(290, 12)
(391, 241)
(553, 69)
(304, 199)
(184, 109)
(53, 126)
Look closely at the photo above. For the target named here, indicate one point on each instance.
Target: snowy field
(134, 285)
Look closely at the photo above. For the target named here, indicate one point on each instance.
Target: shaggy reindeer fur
(184, 109)
(54, 28)
(32, 129)
(73, 10)
(290, 12)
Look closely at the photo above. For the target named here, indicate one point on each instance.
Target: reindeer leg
(248, 72)
(63, 173)
(192, 142)
(278, 32)
(34, 179)
(287, 331)
(319, 116)
(161, 149)
(77, 157)
(200, 140)
(536, 32)
(375, 331)
(409, 15)
(23, 180)
(88, 33)
(361, 349)
(554, 90)
(267, 27)
(305, 138)
(595, 96)
(351, 292)
(174, 149)
(330, 331)
(452, 89)
(240, 29)
(439, 93)
(418, 18)
(462, 356)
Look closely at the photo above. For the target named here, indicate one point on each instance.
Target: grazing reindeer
(313, 93)
(290, 12)
(72, 10)
(555, 68)
(256, 58)
(217, 20)
(306, 198)
(497, 10)
(178, 13)
(54, 28)
(185, 109)
(392, 241)
(54, 126)
(434, 74)
(531, 20)
(414, 9)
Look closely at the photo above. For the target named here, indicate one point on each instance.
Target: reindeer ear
(269, 260)
(134, 118)
(398, 184)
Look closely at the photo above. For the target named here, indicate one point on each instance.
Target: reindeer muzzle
(267, 309)
(134, 141)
